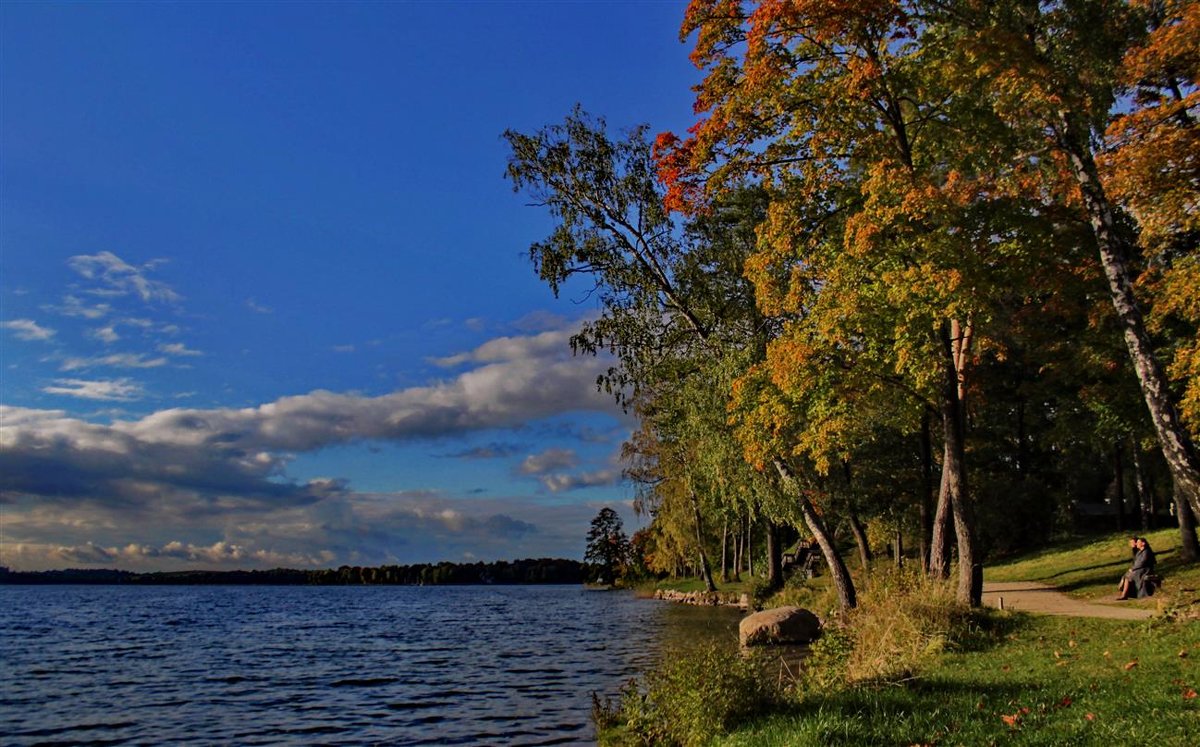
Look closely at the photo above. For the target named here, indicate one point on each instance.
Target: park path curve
(1031, 596)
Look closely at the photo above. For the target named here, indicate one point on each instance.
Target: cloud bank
(210, 486)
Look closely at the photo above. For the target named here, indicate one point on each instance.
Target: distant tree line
(527, 571)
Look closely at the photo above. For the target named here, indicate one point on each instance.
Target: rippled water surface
(323, 665)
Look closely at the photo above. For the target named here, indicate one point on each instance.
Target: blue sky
(264, 289)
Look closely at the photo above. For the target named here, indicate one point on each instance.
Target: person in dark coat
(1136, 581)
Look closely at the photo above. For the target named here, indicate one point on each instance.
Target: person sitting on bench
(1138, 580)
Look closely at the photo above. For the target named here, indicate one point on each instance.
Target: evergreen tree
(607, 546)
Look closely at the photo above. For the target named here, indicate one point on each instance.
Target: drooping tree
(672, 301)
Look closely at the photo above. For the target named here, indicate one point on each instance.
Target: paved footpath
(1031, 596)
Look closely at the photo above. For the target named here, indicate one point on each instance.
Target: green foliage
(608, 548)
(692, 695)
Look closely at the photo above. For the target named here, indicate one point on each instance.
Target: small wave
(416, 706)
(368, 682)
(56, 730)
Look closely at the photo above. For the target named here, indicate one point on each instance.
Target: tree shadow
(905, 713)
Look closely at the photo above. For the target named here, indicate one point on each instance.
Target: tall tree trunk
(926, 491)
(749, 545)
(1139, 482)
(774, 557)
(838, 572)
(725, 551)
(898, 545)
(1119, 485)
(860, 539)
(705, 568)
(1115, 251)
(1189, 548)
(856, 527)
(939, 549)
(955, 343)
(739, 544)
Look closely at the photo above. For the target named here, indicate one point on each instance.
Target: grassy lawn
(1027, 679)
(1090, 568)
(1048, 680)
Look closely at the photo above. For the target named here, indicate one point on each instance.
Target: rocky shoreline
(705, 598)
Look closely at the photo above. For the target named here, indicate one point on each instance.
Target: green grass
(1047, 681)
(1030, 680)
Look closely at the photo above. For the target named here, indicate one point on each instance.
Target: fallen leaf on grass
(1064, 702)
(1072, 643)
(1090, 717)
(1013, 721)
(1189, 693)
(1183, 654)
(1131, 665)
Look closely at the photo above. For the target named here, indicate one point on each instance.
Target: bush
(692, 695)
(902, 620)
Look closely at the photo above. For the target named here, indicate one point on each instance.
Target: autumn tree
(888, 249)
(1055, 72)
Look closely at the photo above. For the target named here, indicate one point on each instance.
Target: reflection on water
(325, 665)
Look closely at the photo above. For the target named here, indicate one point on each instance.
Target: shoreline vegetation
(911, 665)
(526, 571)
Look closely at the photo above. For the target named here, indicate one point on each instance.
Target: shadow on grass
(910, 713)
(1116, 564)
(988, 628)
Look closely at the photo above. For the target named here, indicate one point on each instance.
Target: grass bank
(994, 677)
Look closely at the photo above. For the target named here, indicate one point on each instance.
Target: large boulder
(779, 625)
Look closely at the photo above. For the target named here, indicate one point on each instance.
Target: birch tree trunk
(1115, 252)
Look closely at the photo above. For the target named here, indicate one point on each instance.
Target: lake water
(512, 665)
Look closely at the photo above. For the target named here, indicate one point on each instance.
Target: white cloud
(27, 329)
(74, 307)
(118, 390)
(178, 348)
(558, 483)
(258, 308)
(512, 348)
(116, 360)
(116, 277)
(548, 460)
(107, 334)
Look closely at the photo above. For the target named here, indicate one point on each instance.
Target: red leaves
(673, 159)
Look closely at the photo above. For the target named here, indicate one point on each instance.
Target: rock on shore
(781, 625)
